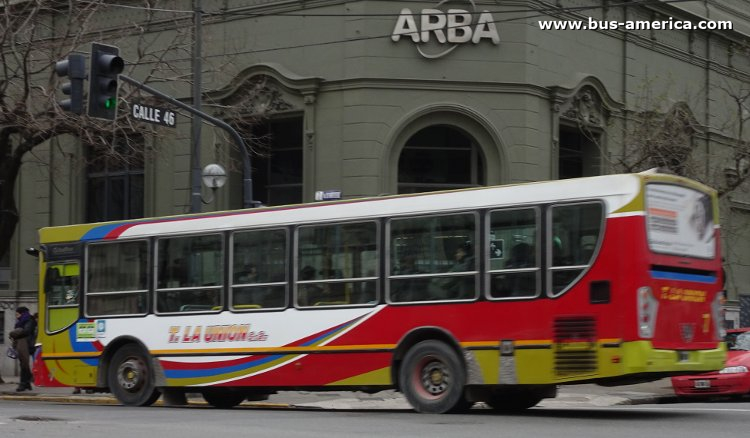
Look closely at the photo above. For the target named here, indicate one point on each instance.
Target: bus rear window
(679, 221)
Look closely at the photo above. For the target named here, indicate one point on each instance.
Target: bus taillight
(647, 310)
(718, 317)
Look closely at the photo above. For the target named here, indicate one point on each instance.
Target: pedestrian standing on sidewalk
(24, 338)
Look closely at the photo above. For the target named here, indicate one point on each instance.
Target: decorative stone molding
(585, 108)
(267, 97)
(264, 89)
(587, 103)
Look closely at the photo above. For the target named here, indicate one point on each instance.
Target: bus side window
(61, 284)
(576, 230)
(117, 275)
(433, 258)
(259, 271)
(337, 265)
(190, 273)
(514, 273)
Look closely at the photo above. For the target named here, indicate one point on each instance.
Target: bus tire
(223, 399)
(131, 378)
(432, 378)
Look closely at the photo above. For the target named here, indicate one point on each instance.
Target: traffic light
(106, 65)
(75, 68)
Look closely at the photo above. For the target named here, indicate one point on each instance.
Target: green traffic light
(110, 103)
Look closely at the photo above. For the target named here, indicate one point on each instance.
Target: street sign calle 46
(151, 114)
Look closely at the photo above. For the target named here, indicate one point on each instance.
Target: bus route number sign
(151, 114)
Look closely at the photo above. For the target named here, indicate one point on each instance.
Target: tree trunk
(8, 211)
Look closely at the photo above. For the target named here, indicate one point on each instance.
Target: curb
(60, 399)
(109, 400)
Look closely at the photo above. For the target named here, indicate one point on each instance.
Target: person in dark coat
(24, 338)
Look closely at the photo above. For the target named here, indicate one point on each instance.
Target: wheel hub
(435, 378)
(130, 375)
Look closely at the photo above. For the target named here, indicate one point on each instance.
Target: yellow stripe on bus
(279, 349)
(71, 355)
(531, 342)
(303, 349)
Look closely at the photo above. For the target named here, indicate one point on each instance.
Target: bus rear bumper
(641, 357)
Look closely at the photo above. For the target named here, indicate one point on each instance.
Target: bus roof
(622, 195)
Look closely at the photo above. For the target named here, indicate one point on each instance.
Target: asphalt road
(40, 419)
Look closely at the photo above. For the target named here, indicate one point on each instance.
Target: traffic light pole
(247, 181)
(195, 161)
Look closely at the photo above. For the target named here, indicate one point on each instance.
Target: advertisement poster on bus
(680, 221)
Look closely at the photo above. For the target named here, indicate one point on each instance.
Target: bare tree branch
(34, 35)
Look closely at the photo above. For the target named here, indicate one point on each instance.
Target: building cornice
(435, 85)
(303, 84)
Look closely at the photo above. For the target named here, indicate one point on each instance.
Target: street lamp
(214, 177)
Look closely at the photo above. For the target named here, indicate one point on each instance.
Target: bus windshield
(679, 221)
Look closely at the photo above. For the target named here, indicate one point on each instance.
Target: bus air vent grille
(575, 346)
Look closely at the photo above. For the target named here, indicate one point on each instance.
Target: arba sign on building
(445, 30)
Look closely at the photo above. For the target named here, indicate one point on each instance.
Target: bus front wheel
(131, 378)
(432, 378)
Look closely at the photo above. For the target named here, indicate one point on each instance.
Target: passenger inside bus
(308, 294)
(407, 289)
(516, 284)
(521, 256)
(461, 286)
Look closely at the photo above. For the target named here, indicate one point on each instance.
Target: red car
(732, 380)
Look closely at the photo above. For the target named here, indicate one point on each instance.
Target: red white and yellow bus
(493, 294)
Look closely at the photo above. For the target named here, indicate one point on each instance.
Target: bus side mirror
(32, 252)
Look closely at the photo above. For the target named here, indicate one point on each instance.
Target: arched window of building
(114, 181)
(440, 157)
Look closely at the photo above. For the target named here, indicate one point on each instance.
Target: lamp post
(214, 177)
(247, 180)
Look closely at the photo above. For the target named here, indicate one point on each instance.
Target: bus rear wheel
(432, 378)
(131, 378)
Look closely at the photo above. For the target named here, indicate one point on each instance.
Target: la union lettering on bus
(215, 333)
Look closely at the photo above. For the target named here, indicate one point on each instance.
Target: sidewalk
(586, 395)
